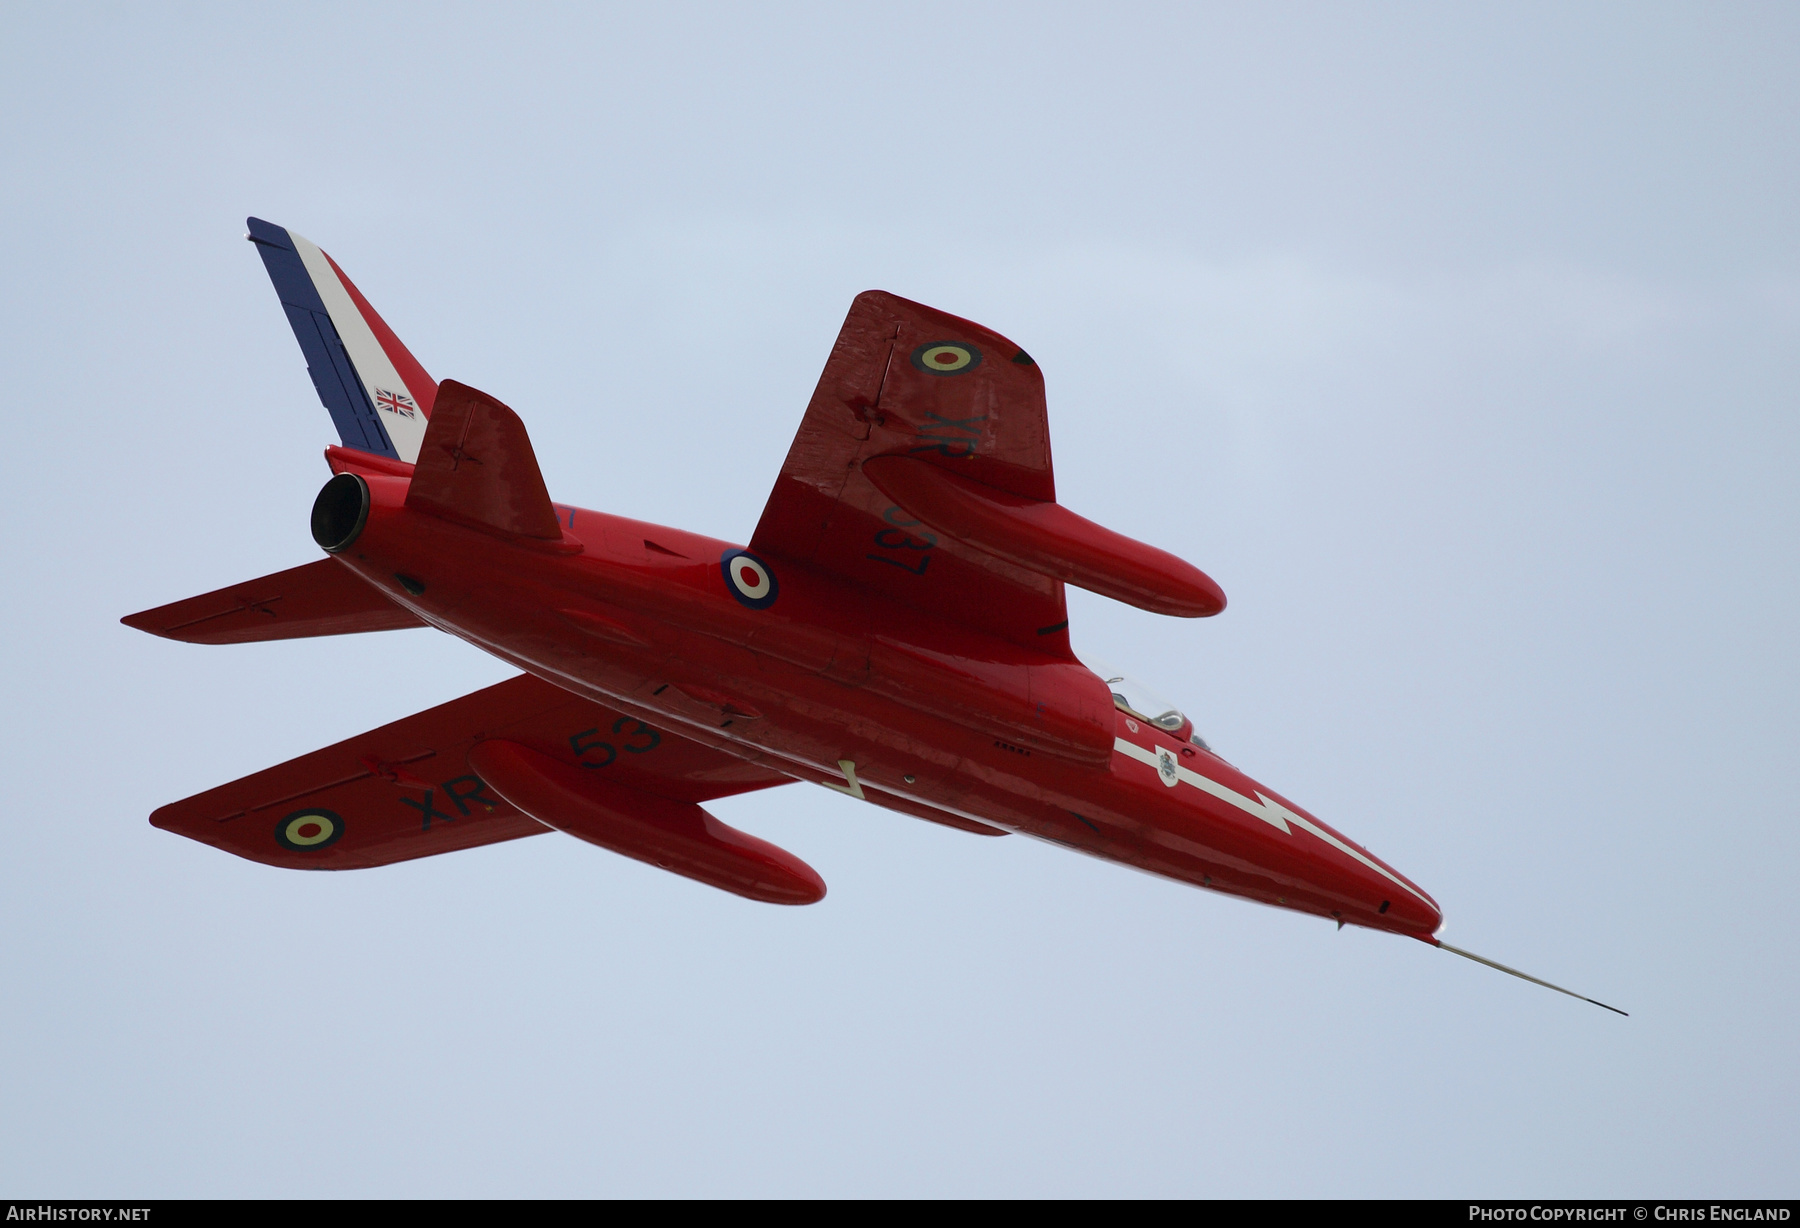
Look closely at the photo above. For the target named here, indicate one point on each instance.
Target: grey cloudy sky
(1457, 341)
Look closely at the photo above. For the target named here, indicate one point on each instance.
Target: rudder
(377, 393)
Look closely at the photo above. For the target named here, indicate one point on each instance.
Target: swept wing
(406, 790)
(909, 380)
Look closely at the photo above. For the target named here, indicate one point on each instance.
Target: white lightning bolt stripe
(1270, 812)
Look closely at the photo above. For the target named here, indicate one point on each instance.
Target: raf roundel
(305, 831)
(749, 579)
(946, 358)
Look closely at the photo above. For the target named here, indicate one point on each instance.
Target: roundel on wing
(306, 830)
(750, 579)
(946, 357)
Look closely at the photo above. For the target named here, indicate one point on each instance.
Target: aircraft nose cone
(1413, 915)
(1401, 910)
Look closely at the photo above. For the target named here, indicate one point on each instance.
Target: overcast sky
(1458, 342)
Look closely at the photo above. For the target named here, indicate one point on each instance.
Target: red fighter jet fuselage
(788, 669)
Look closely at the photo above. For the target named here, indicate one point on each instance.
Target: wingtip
(141, 621)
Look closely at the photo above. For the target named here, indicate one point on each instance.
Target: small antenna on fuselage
(1524, 976)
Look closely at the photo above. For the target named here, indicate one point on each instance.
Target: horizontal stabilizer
(476, 466)
(676, 836)
(1043, 536)
(322, 598)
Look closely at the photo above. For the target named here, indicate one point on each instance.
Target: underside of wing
(907, 380)
(406, 790)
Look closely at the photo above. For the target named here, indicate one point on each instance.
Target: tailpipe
(340, 512)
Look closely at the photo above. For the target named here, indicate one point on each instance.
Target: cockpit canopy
(1133, 697)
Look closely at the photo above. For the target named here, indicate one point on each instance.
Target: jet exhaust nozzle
(340, 512)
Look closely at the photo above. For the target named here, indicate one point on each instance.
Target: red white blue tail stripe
(376, 391)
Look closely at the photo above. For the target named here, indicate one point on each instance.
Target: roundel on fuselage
(750, 579)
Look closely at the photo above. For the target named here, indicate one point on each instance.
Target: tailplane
(320, 598)
(378, 395)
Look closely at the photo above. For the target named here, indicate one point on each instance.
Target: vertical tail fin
(377, 393)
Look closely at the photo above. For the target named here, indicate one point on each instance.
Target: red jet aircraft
(895, 631)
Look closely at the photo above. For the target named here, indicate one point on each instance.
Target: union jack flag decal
(396, 403)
